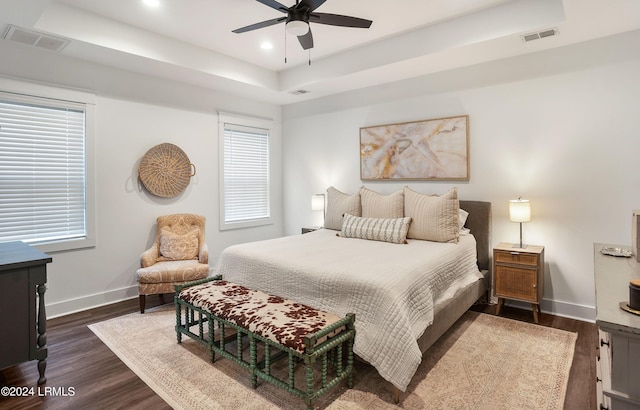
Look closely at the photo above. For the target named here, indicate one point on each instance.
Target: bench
(220, 314)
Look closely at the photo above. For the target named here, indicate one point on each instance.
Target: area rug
(482, 362)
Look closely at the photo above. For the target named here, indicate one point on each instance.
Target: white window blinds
(245, 176)
(42, 169)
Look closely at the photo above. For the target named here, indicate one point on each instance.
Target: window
(44, 183)
(244, 174)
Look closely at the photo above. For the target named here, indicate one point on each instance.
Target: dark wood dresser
(23, 321)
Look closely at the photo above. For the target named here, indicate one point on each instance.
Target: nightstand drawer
(520, 258)
(517, 283)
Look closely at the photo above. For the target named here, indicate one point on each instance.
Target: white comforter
(391, 288)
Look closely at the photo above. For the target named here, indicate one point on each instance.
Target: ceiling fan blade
(339, 20)
(306, 40)
(262, 24)
(310, 4)
(274, 5)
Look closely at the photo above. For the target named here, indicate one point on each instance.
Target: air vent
(299, 92)
(34, 38)
(540, 34)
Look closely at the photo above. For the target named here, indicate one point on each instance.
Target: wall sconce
(520, 211)
(317, 204)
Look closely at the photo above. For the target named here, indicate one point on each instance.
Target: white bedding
(391, 288)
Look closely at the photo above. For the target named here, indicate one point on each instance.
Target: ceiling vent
(299, 92)
(34, 38)
(540, 34)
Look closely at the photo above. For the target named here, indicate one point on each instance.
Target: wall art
(436, 149)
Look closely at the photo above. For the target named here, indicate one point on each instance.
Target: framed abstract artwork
(435, 149)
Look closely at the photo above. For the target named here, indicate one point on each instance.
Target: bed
(400, 310)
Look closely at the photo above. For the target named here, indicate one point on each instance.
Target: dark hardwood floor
(79, 362)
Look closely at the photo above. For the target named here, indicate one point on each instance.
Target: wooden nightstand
(307, 230)
(519, 274)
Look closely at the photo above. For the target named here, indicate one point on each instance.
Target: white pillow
(338, 204)
(462, 217)
(392, 230)
(433, 218)
(375, 205)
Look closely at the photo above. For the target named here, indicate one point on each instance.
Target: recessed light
(152, 3)
(266, 45)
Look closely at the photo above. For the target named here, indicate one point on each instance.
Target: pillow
(376, 229)
(338, 204)
(462, 218)
(434, 218)
(375, 205)
(177, 247)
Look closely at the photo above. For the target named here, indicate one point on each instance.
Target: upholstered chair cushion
(173, 271)
(179, 247)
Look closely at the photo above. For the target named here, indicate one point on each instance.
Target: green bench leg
(310, 385)
(178, 314)
(253, 355)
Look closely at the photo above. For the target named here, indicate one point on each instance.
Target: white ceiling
(191, 40)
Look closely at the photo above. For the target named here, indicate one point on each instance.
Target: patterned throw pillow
(179, 247)
(338, 204)
(376, 229)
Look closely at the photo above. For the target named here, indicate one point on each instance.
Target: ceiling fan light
(297, 27)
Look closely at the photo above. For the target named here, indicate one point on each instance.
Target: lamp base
(520, 245)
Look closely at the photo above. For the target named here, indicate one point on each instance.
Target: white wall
(559, 128)
(133, 114)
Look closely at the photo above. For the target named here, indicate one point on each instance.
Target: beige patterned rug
(483, 362)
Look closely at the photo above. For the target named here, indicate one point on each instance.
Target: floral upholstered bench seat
(299, 332)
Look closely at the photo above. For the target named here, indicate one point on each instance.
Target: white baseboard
(558, 308)
(69, 306)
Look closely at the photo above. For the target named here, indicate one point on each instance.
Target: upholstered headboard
(479, 222)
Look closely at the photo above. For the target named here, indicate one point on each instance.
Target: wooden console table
(23, 321)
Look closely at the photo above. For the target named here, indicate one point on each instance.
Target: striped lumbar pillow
(376, 229)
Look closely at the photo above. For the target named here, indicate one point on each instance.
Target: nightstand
(307, 230)
(518, 275)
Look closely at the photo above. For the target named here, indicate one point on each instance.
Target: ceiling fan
(300, 15)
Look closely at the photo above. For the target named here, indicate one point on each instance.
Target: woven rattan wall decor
(165, 170)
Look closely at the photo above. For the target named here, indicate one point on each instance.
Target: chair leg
(142, 303)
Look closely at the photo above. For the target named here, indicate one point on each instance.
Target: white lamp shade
(519, 210)
(317, 202)
(297, 27)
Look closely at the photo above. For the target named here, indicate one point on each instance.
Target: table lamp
(520, 211)
(317, 204)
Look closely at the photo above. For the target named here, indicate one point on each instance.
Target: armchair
(178, 255)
